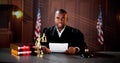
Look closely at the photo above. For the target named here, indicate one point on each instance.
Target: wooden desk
(99, 57)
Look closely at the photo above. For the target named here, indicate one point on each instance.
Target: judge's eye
(57, 18)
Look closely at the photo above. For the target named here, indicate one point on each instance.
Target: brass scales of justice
(38, 45)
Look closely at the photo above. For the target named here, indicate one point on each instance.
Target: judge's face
(60, 19)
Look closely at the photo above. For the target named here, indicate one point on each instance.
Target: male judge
(62, 33)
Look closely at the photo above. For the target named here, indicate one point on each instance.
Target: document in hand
(58, 47)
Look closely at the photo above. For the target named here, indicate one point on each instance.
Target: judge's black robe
(70, 35)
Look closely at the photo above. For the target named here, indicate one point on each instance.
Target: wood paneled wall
(22, 29)
(25, 30)
(112, 25)
(27, 27)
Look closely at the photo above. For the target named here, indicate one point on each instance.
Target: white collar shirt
(60, 33)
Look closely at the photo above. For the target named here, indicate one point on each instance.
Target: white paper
(58, 47)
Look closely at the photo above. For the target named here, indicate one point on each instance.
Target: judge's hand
(45, 49)
(71, 51)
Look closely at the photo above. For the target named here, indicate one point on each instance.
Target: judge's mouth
(60, 25)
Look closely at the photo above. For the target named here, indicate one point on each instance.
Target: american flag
(37, 25)
(99, 27)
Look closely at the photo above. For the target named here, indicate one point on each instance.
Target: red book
(22, 48)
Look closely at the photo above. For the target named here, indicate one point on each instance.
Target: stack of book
(22, 49)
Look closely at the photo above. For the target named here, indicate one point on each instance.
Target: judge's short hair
(62, 11)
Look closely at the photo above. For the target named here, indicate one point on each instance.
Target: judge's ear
(66, 17)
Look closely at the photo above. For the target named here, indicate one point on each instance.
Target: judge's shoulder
(48, 28)
(73, 29)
